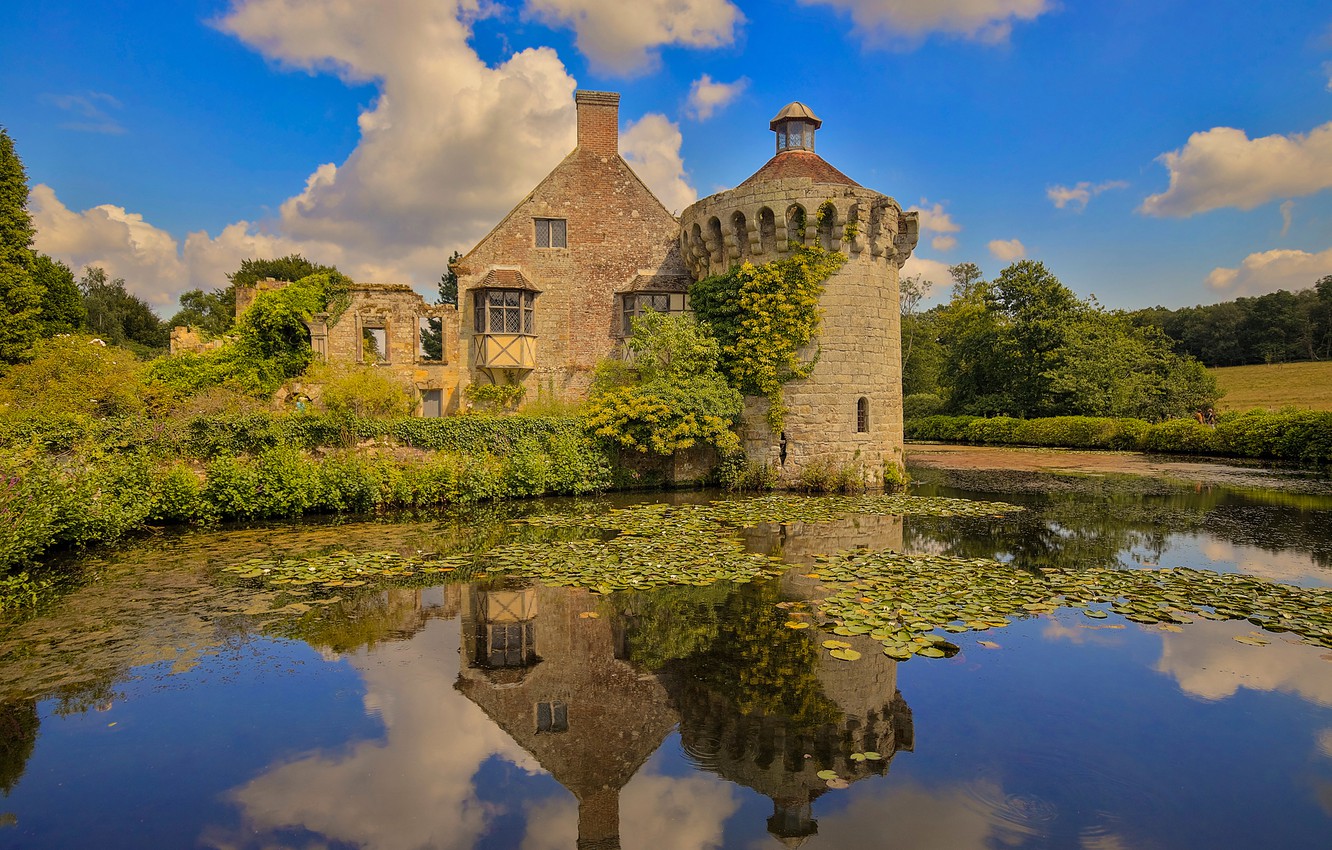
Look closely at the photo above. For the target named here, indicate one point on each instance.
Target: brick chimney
(598, 122)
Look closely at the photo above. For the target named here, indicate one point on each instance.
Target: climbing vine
(763, 316)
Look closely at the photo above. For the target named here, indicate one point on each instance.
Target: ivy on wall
(763, 316)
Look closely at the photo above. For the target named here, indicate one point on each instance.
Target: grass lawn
(1305, 385)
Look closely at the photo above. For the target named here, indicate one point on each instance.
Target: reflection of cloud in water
(552, 824)
(413, 789)
(1206, 662)
(1286, 565)
(1102, 842)
(675, 813)
(903, 814)
(1069, 629)
(1325, 742)
(656, 813)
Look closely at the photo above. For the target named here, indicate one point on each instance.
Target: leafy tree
(448, 282)
(20, 295)
(432, 337)
(75, 375)
(119, 317)
(212, 312)
(669, 393)
(290, 268)
(62, 303)
(922, 356)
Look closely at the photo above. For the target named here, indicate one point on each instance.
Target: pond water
(162, 704)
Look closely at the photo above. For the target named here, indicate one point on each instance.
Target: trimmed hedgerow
(1298, 436)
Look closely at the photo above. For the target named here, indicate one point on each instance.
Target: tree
(212, 312)
(119, 317)
(448, 282)
(432, 337)
(62, 303)
(290, 268)
(20, 295)
(921, 352)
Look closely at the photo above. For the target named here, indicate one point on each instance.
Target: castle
(554, 287)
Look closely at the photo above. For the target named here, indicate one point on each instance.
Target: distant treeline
(1280, 327)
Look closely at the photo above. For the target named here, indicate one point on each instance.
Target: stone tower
(848, 412)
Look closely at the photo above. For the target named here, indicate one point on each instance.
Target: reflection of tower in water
(572, 689)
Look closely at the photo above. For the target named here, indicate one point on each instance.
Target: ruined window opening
(635, 304)
(374, 345)
(505, 311)
(552, 233)
(430, 338)
(862, 415)
(552, 717)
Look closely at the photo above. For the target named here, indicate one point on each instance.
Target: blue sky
(1148, 151)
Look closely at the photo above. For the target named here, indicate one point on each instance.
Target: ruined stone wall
(616, 229)
(859, 344)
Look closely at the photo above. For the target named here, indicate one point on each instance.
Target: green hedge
(213, 436)
(1299, 436)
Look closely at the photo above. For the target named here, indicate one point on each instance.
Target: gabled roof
(798, 163)
(505, 279)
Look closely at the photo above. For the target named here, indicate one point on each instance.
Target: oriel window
(552, 233)
(505, 311)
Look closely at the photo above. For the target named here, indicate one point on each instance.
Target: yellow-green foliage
(495, 398)
(763, 316)
(72, 375)
(668, 395)
(1305, 385)
(361, 391)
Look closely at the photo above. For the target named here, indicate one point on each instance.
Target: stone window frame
(862, 415)
(367, 324)
(487, 316)
(629, 307)
(547, 235)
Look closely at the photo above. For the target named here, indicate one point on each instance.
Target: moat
(165, 702)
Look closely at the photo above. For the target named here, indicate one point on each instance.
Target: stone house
(553, 287)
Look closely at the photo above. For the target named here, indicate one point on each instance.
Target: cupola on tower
(848, 412)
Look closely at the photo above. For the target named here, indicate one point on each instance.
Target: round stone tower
(848, 412)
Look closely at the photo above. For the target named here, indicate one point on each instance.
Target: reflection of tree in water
(18, 735)
(759, 703)
(1083, 521)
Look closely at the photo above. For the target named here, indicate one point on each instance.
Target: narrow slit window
(552, 233)
(862, 415)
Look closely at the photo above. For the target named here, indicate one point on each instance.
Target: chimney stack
(598, 122)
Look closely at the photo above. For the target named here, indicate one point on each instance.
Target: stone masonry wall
(616, 229)
(859, 351)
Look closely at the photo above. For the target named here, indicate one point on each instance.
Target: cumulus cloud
(706, 96)
(448, 147)
(622, 36)
(938, 221)
(909, 21)
(91, 112)
(1079, 195)
(1007, 250)
(1325, 742)
(1287, 216)
(934, 272)
(1208, 663)
(1269, 271)
(651, 146)
(1223, 167)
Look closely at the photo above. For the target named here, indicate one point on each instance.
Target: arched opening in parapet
(740, 232)
(767, 230)
(862, 415)
(828, 236)
(852, 227)
(795, 225)
(716, 249)
(875, 224)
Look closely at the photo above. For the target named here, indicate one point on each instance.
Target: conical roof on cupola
(796, 159)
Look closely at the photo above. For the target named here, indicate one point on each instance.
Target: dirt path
(1062, 461)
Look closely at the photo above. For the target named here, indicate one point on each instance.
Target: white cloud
(622, 36)
(933, 271)
(651, 146)
(1223, 167)
(1327, 69)
(1007, 250)
(706, 96)
(1325, 742)
(1269, 271)
(675, 812)
(1287, 216)
(1208, 663)
(449, 146)
(937, 220)
(1080, 194)
(909, 21)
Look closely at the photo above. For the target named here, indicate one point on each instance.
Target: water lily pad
(845, 654)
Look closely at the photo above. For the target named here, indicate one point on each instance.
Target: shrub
(361, 392)
(919, 405)
(74, 376)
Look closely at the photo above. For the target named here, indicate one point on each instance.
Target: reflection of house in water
(559, 685)
(566, 689)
